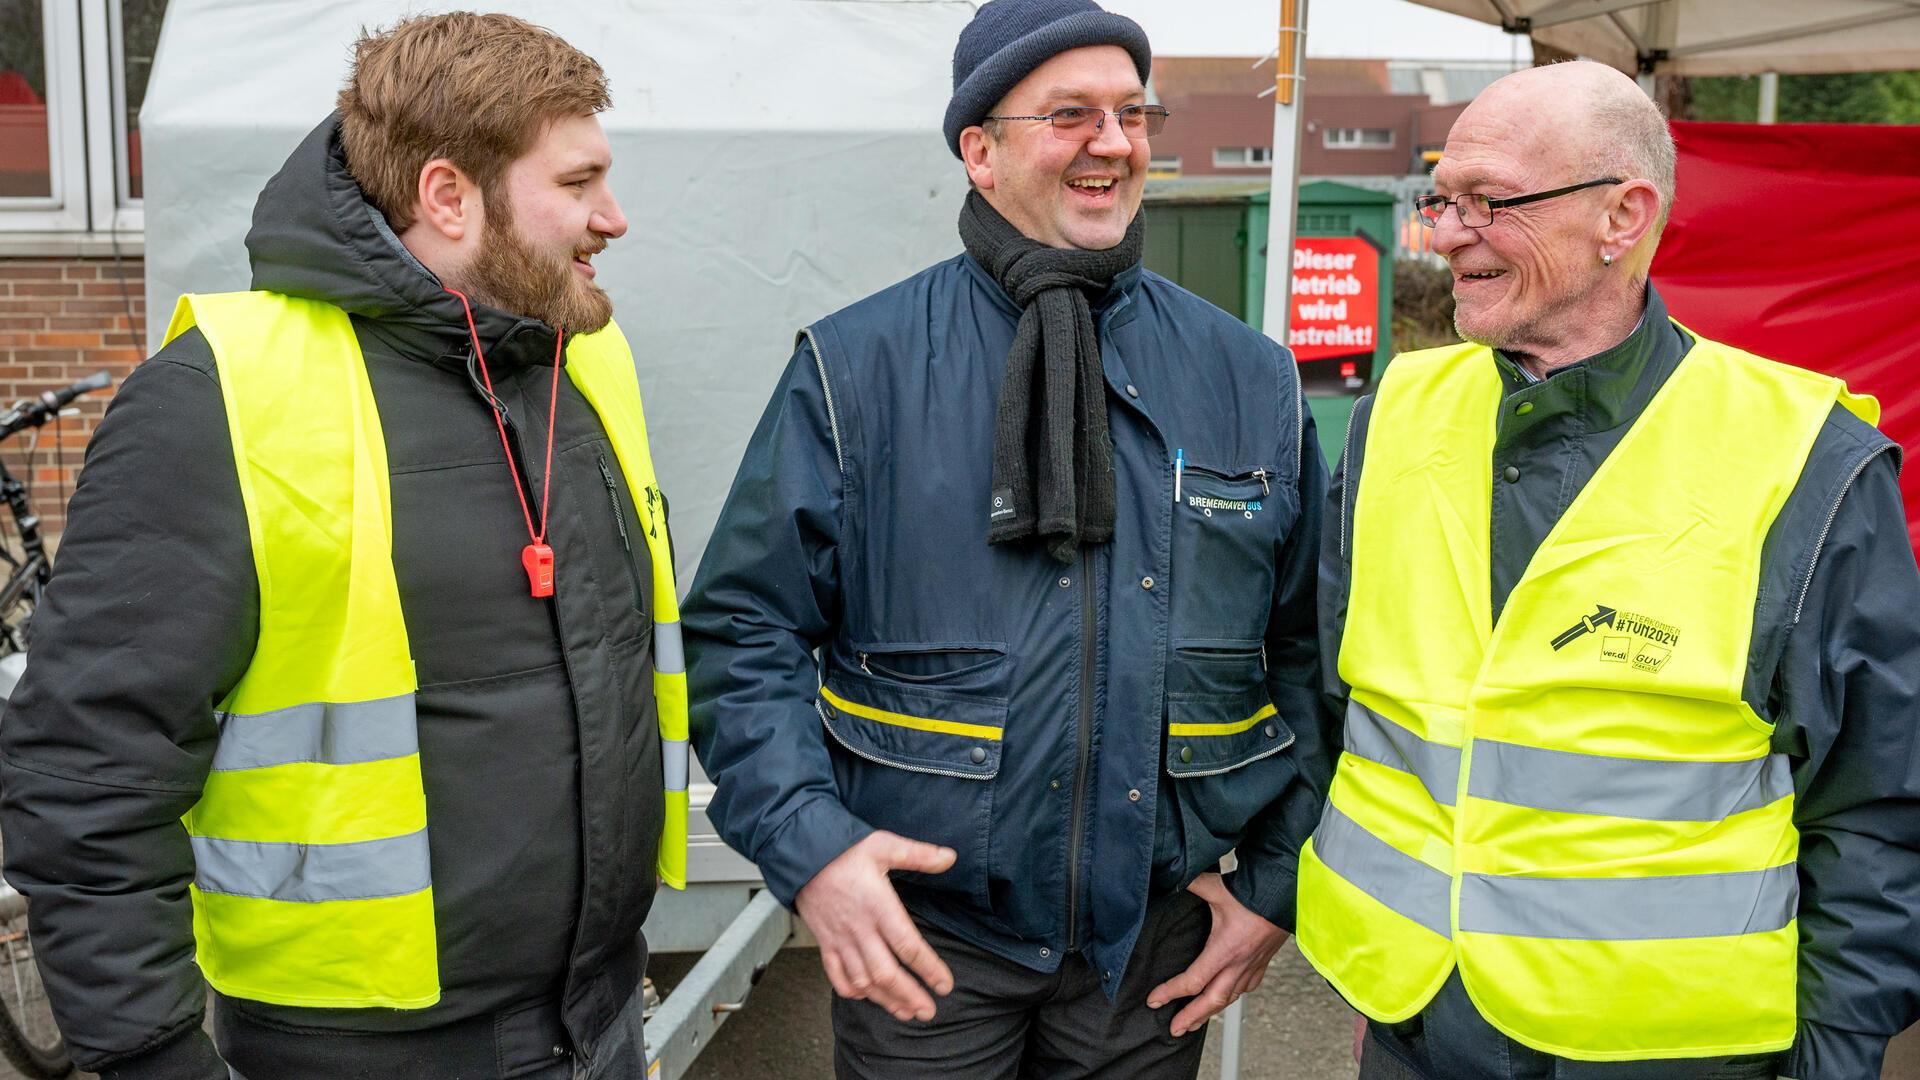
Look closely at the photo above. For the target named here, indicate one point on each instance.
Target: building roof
(1183, 76)
(1443, 81)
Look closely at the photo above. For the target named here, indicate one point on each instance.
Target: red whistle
(538, 560)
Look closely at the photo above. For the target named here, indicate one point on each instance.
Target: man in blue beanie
(1005, 637)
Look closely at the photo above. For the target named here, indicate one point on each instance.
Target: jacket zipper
(903, 676)
(1209, 653)
(620, 524)
(1346, 494)
(589, 873)
(1266, 485)
(525, 478)
(826, 391)
(1084, 739)
(1833, 512)
(1299, 439)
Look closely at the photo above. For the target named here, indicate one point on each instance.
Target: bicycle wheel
(28, 1035)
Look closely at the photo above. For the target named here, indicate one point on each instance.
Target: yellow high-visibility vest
(1573, 804)
(312, 880)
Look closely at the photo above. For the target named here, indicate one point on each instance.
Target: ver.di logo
(1625, 637)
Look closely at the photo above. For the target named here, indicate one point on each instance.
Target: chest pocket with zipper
(1226, 527)
(624, 531)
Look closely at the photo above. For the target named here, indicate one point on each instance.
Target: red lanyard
(536, 558)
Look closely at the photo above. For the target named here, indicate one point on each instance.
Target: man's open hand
(1235, 958)
(864, 932)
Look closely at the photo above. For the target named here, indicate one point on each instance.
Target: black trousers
(1450, 1040)
(524, 1043)
(1007, 1022)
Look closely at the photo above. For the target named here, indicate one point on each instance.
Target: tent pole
(1769, 96)
(1288, 120)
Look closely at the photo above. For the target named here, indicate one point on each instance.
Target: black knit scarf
(1052, 454)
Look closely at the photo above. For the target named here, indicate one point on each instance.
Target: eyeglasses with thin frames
(1081, 123)
(1476, 211)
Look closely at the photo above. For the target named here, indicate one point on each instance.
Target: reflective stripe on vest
(1571, 782)
(1575, 796)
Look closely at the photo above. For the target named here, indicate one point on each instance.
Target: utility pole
(1289, 72)
(1769, 96)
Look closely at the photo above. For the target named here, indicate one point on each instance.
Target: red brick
(69, 340)
(93, 307)
(62, 319)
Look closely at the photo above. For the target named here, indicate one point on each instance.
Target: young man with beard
(1051, 523)
(366, 579)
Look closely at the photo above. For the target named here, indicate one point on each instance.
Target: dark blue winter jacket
(1084, 735)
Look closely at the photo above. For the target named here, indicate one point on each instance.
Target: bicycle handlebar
(33, 412)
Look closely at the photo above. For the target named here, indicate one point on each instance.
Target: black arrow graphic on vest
(1602, 616)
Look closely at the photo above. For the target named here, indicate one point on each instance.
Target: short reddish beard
(508, 274)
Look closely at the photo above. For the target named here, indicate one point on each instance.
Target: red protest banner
(1336, 297)
(1839, 295)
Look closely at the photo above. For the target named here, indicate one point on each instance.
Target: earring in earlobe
(1606, 260)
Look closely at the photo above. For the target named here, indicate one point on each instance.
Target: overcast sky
(1387, 29)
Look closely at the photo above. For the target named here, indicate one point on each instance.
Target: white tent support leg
(1769, 97)
(1288, 120)
(1230, 1040)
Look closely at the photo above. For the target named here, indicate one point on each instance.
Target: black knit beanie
(1007, 39)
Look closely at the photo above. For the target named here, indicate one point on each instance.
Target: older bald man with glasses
(1624, 619)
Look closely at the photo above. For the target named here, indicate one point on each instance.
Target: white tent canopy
(777, 160)
(1715, 37)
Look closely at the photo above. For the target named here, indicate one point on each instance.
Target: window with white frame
(1334, 138)
(73, 74)
(1163, 165)
(1242, 157)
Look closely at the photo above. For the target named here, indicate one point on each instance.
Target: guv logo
(1625, 638)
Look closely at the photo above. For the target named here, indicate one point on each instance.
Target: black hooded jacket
(538, 735)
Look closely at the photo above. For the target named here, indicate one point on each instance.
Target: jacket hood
(315, 235)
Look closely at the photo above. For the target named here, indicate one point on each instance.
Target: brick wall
(1203, 122)
(61, 320)
(1390, 112)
